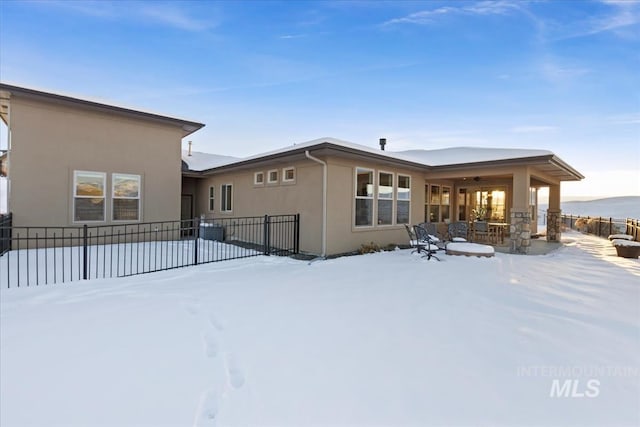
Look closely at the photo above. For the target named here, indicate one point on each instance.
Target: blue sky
(558, 75)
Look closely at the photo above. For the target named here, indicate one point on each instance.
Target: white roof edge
(428, 158)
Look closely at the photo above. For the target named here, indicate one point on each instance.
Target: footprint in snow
(192, 309)
(234, 372)
(210, 344)
(213, 321)
(207, 409)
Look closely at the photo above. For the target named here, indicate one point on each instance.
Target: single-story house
(107, 164)
(349, 194)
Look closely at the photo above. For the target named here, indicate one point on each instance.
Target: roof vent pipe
(189, 152)
(383, 142)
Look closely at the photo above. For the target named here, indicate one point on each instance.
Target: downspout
(324, 201)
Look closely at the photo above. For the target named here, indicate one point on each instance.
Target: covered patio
(499, 199)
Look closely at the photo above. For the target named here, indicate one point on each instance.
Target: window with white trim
(403, 203)
(385, 198)
(125, 197)
(445, 205)
(437, 203)
(272, 176)
(258, 178)
(89, 196)
(212, 198)
(364, 197)
(226, 197)
(288, 174)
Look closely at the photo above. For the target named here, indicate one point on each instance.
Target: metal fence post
(196, 233)
(266, 238)
(5, 233)
(296, 234)
(85, 250)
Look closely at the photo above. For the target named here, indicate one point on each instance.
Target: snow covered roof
(198, 161)
(416, 158)
(459, 155)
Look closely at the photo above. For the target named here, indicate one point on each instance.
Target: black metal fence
(5, 233)
(602, 226)
(47, 255)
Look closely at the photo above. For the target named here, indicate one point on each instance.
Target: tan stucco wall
(342, 235)
(50, 141)
(304, 196)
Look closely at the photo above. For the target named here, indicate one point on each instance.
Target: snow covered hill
(614, 207)
(387, 339)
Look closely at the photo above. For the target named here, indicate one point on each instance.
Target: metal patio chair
(427, 244)
(458, 231)
(415, 244)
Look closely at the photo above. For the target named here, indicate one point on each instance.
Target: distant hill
(614, 207)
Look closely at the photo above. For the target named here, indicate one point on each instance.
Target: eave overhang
(324, 149)
(8, 91)
(550, 164)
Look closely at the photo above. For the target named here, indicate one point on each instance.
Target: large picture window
(389, 204)
(403, 206)
(226, 198)
(126, 197)
(491, 202)
(364, 197)
(385, 198)
(88, 196)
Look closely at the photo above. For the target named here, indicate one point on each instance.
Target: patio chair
(480, 231)
(413, 241)
(458, 231)
(432, 229)
(427, 244)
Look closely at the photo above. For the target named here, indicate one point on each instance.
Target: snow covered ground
(387, 339)
(34, 267)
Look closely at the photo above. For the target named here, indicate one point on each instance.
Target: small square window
(273, 176)
(258, 178)
(288, 174)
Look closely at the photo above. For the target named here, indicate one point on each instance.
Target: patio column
(554, 221)
(520, 228)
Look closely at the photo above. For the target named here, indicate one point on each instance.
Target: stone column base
(554, 225)
(520, 231)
